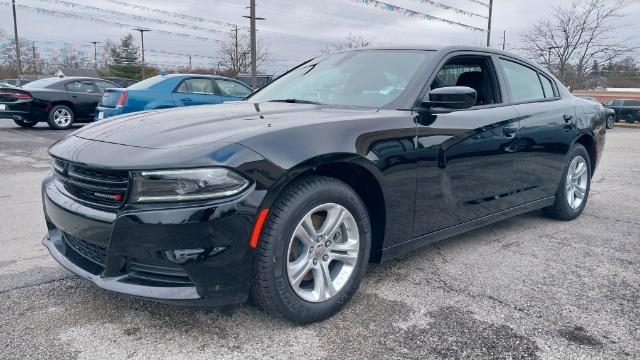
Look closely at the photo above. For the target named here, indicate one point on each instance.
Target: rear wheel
(629, 119)
(313, 251)
(25, 123)
(573, 191)
(61, 117)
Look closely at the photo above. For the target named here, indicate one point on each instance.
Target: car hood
(186, 126)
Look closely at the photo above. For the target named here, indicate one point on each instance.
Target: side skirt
(413, 244)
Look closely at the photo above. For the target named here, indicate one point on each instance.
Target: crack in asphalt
(36, 285)
(616, 220)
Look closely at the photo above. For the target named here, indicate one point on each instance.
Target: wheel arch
(588, 141)
(62, 102)
(357, 172)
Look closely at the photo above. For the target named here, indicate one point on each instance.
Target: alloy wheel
(576, 183)
(62, 117)
(323, 252)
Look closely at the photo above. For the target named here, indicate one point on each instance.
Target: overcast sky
(295, 30)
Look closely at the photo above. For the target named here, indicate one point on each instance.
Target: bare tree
(577, 35)
(234, 54)
(350, 42)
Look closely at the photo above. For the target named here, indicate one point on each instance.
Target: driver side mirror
(450, 98)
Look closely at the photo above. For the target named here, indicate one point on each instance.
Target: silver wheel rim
(576, 184)
(62, 117)
(323, 252)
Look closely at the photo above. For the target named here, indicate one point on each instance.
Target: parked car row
(63, 101)
(619, 109)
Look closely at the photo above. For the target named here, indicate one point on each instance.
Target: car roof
(198, 75)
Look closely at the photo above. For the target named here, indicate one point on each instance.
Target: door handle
(510, 131)
(186, 99)
(567, 118)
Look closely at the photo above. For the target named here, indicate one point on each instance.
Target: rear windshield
(110, 97)
(42, 83)
(148, 83)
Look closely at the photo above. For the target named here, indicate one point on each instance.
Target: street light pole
(15, 32)
(252, 17)
(95, 52)
(489, 24)
(142, 31)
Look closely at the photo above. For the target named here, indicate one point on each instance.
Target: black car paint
(433, 175)
(43, 99)
(626, 109)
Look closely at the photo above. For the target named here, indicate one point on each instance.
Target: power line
(131, 16)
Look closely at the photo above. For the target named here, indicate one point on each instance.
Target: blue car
(167, 91)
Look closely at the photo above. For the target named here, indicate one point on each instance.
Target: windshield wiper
(296, 101)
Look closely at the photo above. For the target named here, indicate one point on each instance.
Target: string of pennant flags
(452, 8)
(132, 17)
(173, 14)
(416, 14)
(99, 20)
(480, 3)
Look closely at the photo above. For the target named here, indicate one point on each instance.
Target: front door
(467, 159)
(84, 96)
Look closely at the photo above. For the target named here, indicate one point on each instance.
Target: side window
(232, 88)
(632, 103)
(200, 86)
(548, 88)
(617, 103)
(471, 71)
(523, 81)
(85, 86)
(102, 85)
(609, 103)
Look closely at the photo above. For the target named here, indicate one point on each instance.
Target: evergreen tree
(124, 58)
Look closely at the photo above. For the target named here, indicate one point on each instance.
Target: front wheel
(313, 252)
(573, 191)
(611, 122)
(629, 119)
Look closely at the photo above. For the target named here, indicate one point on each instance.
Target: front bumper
(196, 255)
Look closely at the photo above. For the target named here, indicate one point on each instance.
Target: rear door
(232, 90)
(546, 130)
(196, 91)
(85, 97)
(467, 160)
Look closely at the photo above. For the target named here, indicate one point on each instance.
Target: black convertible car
(58, 101)
(354, 157)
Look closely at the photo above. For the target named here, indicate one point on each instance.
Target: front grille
(97, 187)
(94, 253)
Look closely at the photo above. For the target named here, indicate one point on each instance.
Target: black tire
(611, 122)
(271, 288)
(25, 123)
(629, 119)
(561, 210)
(51, 117)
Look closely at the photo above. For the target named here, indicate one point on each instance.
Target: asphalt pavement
(524, 288)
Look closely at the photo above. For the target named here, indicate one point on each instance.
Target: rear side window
(548, 88)
(632, 103)
(200, 86)
(85, 86)
(523, 81)
(232, 88)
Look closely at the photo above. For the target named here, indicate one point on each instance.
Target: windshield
(146, 84)
(370, 78)
(42, 83)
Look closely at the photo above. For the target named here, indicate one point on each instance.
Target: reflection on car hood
(196, 125)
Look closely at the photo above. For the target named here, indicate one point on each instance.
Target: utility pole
(189, 64)
(35, 63)
(95, 52)
(549, 61)
(489, 24)
(142, 31)
(15, 32)
(236, 62)
(252, 17)
(504, 39)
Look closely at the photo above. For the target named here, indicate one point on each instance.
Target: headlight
(186, 185)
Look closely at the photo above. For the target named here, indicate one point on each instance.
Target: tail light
(19, 95)
(122, 99)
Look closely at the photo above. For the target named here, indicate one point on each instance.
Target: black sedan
(59, 101)
(354, 157)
